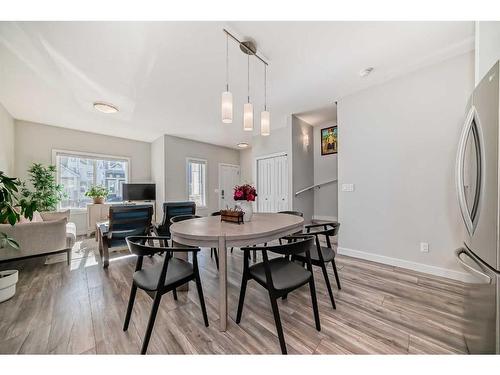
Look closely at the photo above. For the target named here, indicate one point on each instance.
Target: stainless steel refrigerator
(477, 180)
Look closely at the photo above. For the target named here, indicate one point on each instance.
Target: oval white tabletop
(212, 232)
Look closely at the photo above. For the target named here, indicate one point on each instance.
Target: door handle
(459, 173)
(461, 252)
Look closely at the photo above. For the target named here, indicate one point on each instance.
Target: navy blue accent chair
(170, 210)
(124, 221)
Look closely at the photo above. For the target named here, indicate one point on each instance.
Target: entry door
(229, 177)
(272, 184)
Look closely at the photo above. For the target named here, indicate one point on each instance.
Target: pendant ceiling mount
(248, 47)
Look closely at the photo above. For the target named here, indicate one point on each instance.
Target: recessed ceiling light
(243, 145)
(365, 72)
(105, 107)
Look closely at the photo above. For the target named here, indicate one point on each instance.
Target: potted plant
(46, 193)
(98, 193)
(11, 209)
(246, 195)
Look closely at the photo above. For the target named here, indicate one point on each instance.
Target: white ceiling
(167, 77)
(319, 116)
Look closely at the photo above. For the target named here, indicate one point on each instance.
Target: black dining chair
(321, 255)
(280, 276)
(295, 213)
(161, 278)
(171, 209)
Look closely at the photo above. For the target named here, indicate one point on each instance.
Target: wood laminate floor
(80, 309)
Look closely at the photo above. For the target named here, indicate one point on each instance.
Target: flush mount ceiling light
(105, 107)
(365, 72)
(248, 48)
(243, 145)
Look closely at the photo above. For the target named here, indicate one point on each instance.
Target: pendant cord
(227, 62)
(265, 87)
(248, 78)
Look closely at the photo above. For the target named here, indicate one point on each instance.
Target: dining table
(212, 232)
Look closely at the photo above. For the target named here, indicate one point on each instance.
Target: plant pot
(8, 281)
(98, 200)
(247, 209)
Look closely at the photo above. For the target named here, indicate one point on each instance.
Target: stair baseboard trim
(414, 266)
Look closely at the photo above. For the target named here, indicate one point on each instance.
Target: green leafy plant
(12, 206)
(46, 193)
(97, 191)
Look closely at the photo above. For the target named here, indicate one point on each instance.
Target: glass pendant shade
(227, 107)
(265, 123)
(248, 117)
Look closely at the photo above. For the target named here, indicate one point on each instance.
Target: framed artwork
(329, 140)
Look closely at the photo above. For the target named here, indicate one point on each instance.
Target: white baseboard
(324, 218)
(414, 266)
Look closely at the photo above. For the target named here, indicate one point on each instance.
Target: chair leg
(151, 322)
(68, 254)
(277, 321)
(131, 300)
(211, 252)
(312, 289)
(200, 296)
(241, 301)
(255, 256)
(328, 286)
(216, 255)
(336, 273)
(174, 292)
(232, 250)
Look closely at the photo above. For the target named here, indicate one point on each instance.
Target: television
(139, 192)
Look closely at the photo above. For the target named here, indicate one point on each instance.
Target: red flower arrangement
(245, 193)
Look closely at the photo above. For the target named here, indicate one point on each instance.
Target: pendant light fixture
(249, 48)
(248, 107)
(265, 117)
(227, 97)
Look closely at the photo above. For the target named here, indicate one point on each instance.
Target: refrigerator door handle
(459, 173)
(461, 252)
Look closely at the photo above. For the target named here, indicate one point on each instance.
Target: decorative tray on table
(232, 216)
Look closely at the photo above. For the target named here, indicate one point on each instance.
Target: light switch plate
(348, 187)
(424, 247)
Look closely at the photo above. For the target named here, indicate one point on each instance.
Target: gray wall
(158, 173)
(176, 152)
(303, 167)
(325, 169)
(34, 143)
(487, 46)
(6, 142)
(398, 143)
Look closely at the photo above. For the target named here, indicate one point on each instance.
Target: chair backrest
(129, 220)
(296, 213)
(178, 218)
(298, 245)
(171, 209)
(330, 230)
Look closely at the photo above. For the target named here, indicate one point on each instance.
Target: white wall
(34, 143)
(6, 142)
(397, 144)
(176, 152)
(303, 167)
(325, 169)
(487, 47)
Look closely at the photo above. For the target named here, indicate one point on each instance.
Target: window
(196, 181)
(77, 172)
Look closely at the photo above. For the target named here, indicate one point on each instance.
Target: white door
(229, 177)
(272, 184)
